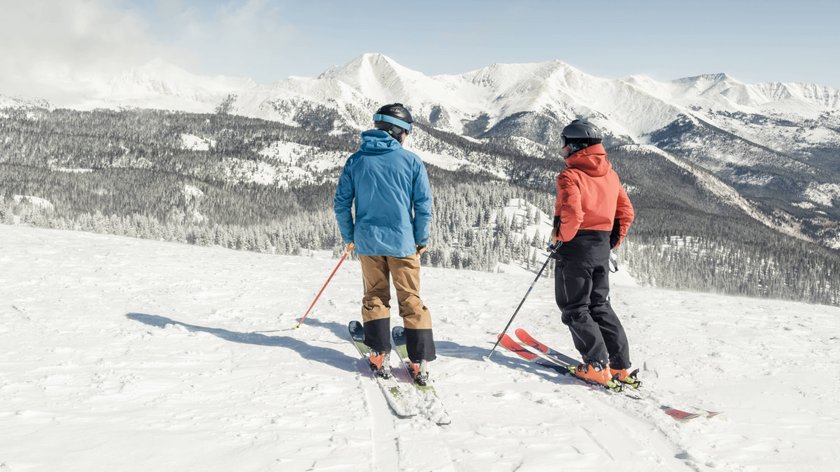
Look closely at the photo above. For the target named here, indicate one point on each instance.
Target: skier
(393, 212)
(592, 215)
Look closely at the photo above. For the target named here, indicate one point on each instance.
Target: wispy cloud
(52, 49)
(231, 37)
(47, 47)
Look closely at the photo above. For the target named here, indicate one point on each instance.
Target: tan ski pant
(377, 272)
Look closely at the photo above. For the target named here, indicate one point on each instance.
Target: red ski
(545, 356)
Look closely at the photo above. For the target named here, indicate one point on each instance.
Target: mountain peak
(377, 76)
(376, 63)
(718, 78)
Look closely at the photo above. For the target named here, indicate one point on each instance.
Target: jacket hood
(378, 142)
(592, 160)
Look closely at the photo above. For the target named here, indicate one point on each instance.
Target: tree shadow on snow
(324, 355)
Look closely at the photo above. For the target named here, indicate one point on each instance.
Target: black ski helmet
(394, 119)
(580, 132)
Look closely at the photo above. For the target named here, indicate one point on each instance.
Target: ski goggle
(565, 147)
(394, 121)
(566, 151)
(563, 141)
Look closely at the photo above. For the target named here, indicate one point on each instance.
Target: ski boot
(626, 377)
(419, 372)
(595, 373)
(379, 363)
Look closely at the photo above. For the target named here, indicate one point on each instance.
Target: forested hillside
(245, 183)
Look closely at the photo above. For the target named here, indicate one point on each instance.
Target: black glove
(553, 249)
(615, 234)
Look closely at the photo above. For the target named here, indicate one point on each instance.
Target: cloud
(230, 37)
(49, 48)
(66, 49)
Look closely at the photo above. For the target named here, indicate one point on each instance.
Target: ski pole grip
(553, 247)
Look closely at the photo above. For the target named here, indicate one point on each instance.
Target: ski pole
(553, 248)
(347, 251)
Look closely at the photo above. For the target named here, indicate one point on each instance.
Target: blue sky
(267, 40)
(751, 40)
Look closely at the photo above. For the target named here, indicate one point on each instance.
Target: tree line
(127, 173)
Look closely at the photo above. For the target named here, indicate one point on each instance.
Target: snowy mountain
(776, 144)
(161, 85)
(156, 356)
(155, 85)
(487, 100)
(734, 166)
(19, 103)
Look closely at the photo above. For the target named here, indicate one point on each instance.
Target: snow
(293, 161)
(725, 192)
(191, 142)
(21, 103)
(244, 170)
(125, 354)
(822, 194)
(789, 117)
(527, 146)
(72, 170)
(519, 210)
(34, 201)
(192, 192)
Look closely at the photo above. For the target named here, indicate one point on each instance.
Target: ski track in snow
(132, 355)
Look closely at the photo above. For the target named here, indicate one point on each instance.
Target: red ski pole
(347, 251)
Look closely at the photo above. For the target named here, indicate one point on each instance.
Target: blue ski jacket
(393, 201)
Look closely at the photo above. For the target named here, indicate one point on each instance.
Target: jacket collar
(378, 141)
(592, 160)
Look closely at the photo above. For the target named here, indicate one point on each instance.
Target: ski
(557, 366)
(553, 355)
(508, 343)
(561, 359)
(396, 393)
(432, 405)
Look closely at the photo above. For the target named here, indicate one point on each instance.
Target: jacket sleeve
(568, 206)
(624, 216)
(342, 204)
(422, 201)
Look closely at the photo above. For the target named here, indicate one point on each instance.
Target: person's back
(590, 201)
(389, 189)
(592, 216)
(387, 182)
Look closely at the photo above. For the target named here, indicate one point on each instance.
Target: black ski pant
(582, 292)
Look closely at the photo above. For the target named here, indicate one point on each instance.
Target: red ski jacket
(590, 197)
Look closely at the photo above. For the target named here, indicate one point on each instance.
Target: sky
(45, 42)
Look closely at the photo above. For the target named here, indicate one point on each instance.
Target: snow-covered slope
(124, 354)
(725, 193)
(17, 102)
